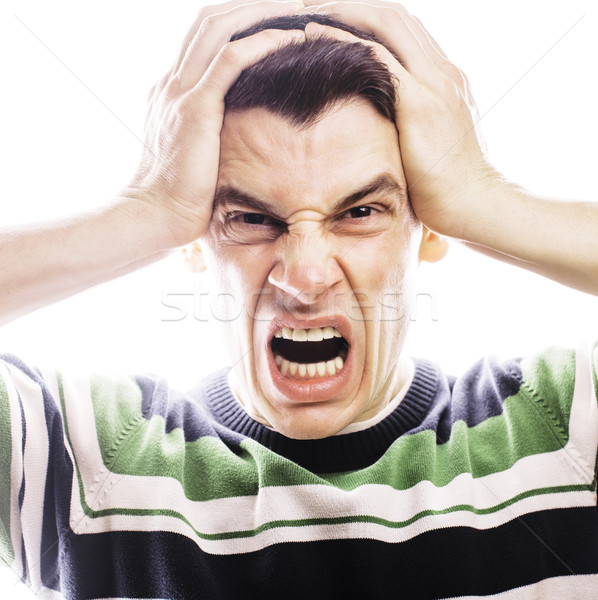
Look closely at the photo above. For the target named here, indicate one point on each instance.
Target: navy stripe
(24, 565)
(451, 562)
(181, 411)
(433, 402)
(57, 497)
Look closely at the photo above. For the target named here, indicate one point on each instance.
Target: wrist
(154, 218)
(489, 209)
(473, 202)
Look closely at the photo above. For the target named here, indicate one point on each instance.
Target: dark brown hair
(301, 80)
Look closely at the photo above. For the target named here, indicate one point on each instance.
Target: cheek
(239, 276)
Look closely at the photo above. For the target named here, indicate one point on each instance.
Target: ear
(193, 257)
(433, 247)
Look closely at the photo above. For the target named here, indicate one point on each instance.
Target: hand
(444, 163)
(177, 176)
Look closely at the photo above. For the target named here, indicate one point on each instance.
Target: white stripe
(35, 463)
(85, 453)
(324, 501)
(583, 423)
(575, 587)
(104, 490)
(341, 531)
(16, 469)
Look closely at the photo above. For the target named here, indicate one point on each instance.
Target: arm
(453, 188)
(168, 203)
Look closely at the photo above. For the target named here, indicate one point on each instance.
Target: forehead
(263, 155)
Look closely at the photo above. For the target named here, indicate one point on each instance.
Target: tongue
(308, 352)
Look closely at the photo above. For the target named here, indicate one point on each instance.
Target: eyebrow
(383, 184)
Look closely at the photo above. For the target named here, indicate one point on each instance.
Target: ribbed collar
(337, 453)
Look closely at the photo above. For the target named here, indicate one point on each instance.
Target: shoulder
(104, 406)
(550, 394)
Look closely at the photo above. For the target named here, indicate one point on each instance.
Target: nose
(307, 268)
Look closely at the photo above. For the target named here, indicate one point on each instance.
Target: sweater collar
(337, 453)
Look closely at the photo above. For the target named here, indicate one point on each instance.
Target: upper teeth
(315, 334)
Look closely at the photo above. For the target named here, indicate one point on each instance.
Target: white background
(74, 82)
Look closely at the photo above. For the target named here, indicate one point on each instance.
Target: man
(325, 462)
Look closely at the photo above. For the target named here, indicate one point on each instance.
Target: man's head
(301, 81)
(313, 236)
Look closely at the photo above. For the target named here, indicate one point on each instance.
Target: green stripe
(117, 402)
(550, 380)
(278, 468)
(133, 445)
(534, 421)
(276, 524)
(6, 549)
(206, 468)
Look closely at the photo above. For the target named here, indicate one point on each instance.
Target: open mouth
(309, 353)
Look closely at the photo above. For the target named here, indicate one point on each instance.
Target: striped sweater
(483, 485)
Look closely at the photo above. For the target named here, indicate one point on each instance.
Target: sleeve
(562, 383)
(33, 464)
(595, 368)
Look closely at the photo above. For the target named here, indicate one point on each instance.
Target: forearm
(169, 201)
(554, 238)
(43, 263)
(453, 189)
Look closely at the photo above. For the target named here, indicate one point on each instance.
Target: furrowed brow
(230, 195)
(383, 184)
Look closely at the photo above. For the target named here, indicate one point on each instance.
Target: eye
(252, 227)
(364, 220)
(248, 218)
(253, 218)
(363, 212)
(360, 211)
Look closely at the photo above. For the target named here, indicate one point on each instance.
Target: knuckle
(172, 87)
(209, 21)
(456, 76)
(447, 86)
(183, 106)
(273, 35)
(206, 12)
(230, 52)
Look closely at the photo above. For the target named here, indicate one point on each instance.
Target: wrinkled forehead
(265, 156)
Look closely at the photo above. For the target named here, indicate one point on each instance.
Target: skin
(310, 260)
(168, 203)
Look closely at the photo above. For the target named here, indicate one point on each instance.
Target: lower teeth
(308, 370)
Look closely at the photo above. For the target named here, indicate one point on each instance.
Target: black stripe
(442, 563)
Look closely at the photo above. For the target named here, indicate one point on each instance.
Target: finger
(206, 11)
(390, 23)
(236, 56)
(429, 40)
(216, 30)
(429, 44)
(380, 52)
